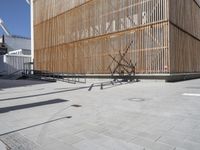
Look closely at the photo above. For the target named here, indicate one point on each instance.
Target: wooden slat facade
(77, 36)
(184, 36)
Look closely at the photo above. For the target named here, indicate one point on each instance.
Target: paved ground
(2, 146)
(149, 115)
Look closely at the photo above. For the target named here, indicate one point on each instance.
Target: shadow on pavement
(49, 93)
(35, 125)
(31, 105)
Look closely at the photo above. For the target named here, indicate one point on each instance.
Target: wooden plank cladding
(186, 15)
(184, 36)
(46, 9)
(149, 51)
(77, 36)
(185, 52)
(98, 17)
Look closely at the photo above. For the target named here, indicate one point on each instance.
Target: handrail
(15, 72)
(2, 71)
(64, 77)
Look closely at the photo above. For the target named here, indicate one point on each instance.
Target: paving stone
(148, 144)
(171, 141)
(98, 129)
(58, 146)
(107, 119)
(181, 143)
(119, 135)
(177, 148)
(175, 134)
(69, 139)
(88, 145)
(189, 145)
(3, 146)
(146, 135)
(53, 143)
(194, 138)
(89, 135)
(115, 144)
(15, 141)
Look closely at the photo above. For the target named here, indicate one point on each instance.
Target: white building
(18, 53)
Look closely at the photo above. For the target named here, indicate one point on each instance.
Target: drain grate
(76, 105)
(136, 99)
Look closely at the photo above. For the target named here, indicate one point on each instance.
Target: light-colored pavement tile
(108, 119)
(148, 144)
(181, 143)
(69, 139)
(88, 145)
(3, 146)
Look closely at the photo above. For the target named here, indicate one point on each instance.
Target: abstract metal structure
(124, 66)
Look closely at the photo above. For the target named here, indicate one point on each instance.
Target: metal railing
(63, 77)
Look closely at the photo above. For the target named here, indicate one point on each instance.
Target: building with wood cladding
(80, 36)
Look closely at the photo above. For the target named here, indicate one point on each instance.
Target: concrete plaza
(147, 115)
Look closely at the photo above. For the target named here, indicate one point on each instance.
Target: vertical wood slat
(184, 36)
(81, 34)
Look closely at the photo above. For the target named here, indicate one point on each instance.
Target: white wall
(2, 68)
(12, 63)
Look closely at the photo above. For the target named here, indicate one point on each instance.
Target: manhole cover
(136, 99)
(75, 105)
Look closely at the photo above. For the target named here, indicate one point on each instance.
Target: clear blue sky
(16, 16)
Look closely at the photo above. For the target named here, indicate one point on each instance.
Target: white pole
(30, 2)
(32, 31)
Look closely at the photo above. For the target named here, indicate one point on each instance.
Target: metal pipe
(28, 1)
(4, 27)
